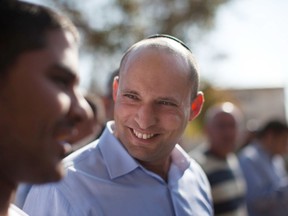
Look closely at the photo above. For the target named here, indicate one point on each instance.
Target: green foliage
(110, 25)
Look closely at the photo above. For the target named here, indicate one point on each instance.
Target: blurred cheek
(285, 147)
(64, 102)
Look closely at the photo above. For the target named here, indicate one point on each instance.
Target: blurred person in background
(219, 162)
(136, 167)
(40, 102)
(249, 133)
(89, 129)
(108, 98)
(264, 170)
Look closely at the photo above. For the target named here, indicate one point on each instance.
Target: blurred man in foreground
(39, 100)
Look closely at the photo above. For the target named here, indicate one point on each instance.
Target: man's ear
(115, 87)
(196, 106)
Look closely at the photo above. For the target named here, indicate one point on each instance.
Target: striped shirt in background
(227, 183)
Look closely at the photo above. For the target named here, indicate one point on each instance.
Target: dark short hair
(276, 127)
(24, 27)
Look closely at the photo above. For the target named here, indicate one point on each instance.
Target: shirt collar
(180, 158)
(117, 159)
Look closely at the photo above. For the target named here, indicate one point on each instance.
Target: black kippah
(169, 37)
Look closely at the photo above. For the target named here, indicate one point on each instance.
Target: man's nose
(146, 116)
(80, 109)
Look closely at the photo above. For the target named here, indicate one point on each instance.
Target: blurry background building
(261, 104)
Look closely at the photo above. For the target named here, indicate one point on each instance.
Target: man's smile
(143, 135)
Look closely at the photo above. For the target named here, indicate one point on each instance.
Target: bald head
(167, 46)
(222, 108)
(222, 123)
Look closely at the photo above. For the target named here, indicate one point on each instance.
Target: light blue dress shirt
(266, 179)
(103, 179)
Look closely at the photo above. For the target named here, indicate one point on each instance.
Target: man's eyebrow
(71, 74)
(170, 99)
(129, 91)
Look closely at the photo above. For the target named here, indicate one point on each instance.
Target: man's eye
(167, 103)
(131, 96)
(62, 81)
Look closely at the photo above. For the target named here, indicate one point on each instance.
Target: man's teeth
(142, 136)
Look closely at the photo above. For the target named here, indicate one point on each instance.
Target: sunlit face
(152, 104)
(222, 133)
(39, 106)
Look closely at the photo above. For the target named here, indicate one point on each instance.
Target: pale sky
(253, 35)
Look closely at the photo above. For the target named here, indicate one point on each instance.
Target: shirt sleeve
(46, 200)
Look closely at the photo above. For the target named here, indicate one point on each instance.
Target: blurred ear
(196, 106)
(115, 87)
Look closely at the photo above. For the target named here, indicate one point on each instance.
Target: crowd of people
(245, 180)
(68, 152)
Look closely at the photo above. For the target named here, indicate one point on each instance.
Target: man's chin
(53, 175)
(57, 175)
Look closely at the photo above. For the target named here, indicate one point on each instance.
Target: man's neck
(160, 169)
(7, 191)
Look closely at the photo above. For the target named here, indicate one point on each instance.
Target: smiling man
(137, 167)
(39, 99)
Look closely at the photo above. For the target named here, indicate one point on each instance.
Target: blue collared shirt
(103, 179)
(266, 179)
